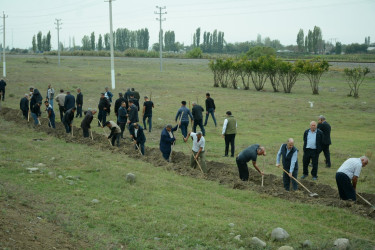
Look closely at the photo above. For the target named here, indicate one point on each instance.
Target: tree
(92, 41)
(300, 41)
(86, 43)
(100, 42)
(197, 37)
(259, 39)
(106, 41)
(39, 41)
(289, 73)
(306, 44)
(317, 40)
(74, 43)
(44, 43)
(356, 48)
(271, 66)
(48, 41)
(259, 51)
(310, 41)
(195, 53)
(34, 44)
(355, 78)
(338, 48)
(314, 70)
(258, 73)
(169, 41)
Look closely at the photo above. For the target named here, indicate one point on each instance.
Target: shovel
(372, 206)
(310, 193)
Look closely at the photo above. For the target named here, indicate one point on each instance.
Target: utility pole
(160, 13)
(111, 44)
(4, 64)
(58, 37)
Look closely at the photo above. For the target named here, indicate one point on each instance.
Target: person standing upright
(167, 139)
(229, 133)
(324, 126)
(50, 95)
(2, 88)
(35, 98)
(118, 103)
(24, 106)
(312, 146)
(197, 111)
(60, 99)
(199, 144)
(50, 115)
(289, 154)
(79, 103)
(210, 108)
(184, 113)
(148, 105)
(35, 113)
(122, 118)
(108, 94)
(69, 102)
(136, 94)
(103, 107)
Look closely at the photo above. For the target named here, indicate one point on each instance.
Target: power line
(58, 28)
(160, 13)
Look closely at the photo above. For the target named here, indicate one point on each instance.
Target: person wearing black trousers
(103, 107)
(312, 147)
(2, 88)
(229, 133)
(24, 106)
(79, 103)
(136, 131)
(197, 111)
(324, 126)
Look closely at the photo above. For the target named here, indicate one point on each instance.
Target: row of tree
(256, 69)
(122, 37)
(41, 43)
(312, 43)
(212, 42)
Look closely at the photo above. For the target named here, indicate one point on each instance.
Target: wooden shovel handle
(295, 180)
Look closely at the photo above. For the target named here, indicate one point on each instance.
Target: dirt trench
(223, 173)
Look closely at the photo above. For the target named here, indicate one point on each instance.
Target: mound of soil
(223, 173)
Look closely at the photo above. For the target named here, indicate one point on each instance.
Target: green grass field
(164, 210)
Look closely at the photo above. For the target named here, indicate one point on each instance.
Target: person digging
(249, 154)
(115, 132)
(197, 150)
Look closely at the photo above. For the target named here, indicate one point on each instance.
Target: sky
(346, 21)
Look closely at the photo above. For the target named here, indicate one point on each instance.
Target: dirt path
(223, 173)
(22, 228)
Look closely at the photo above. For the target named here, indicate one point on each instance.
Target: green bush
(195, 53)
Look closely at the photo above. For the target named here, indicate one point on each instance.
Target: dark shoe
(232, 156)
(303, 177)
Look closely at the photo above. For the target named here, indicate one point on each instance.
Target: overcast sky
(347, 21)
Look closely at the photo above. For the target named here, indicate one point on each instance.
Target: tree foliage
(92, 40)
(100, 42)
(259, 51)
(300, 40)
(355, 77)
(314, 70)
(86, 43)
(39, 41)
(34, 44)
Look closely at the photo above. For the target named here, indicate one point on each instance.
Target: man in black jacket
(35, 98)
(118, 103)
(69, 101)
(24, 106)
(79, 103)
(35, 113)
(312, 146)
(103, 107)
(86, 122)
(132, 113)
(196, 111)
(136, 131)
(2, 88)
(210, 108)
(136, 94)
(127, 97)
(68, 119)
(324, 126)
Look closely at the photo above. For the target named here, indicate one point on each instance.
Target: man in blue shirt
(50, 114)
(290, 163)
(185, 113)
(312, 147)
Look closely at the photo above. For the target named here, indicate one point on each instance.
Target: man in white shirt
(198, 150)
(347, 177)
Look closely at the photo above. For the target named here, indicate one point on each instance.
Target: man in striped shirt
(347, 177)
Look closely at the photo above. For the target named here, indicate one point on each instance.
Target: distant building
(371, 49)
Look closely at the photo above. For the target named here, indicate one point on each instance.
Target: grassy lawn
(164, 210)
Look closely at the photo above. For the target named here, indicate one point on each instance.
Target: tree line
(41, 43)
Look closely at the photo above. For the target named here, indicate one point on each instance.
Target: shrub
(195, 53)
(314, 70)
(355, 77)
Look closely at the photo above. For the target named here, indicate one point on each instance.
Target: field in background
(263, 117)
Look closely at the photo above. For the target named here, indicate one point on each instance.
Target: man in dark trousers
(68, 119)
(347, 176)
(69, 102)
(210, 108)
(86, 122)
(324, 126)
(136, 94)
(148, 105)
(79, 103)
(118, 103)
(127, 95)
(183, 114)
(197, 111)
(103, 107)
(2, 88)
(115, 133)
(50, 115)
(290, 163)
(167, 139)
(60, 99)
(249, 154)
(122, 118)
(136, 131)
(132, 113)
(229, 133)
(35, 113)
(135, 101)
(312, 146)
(24, 105)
